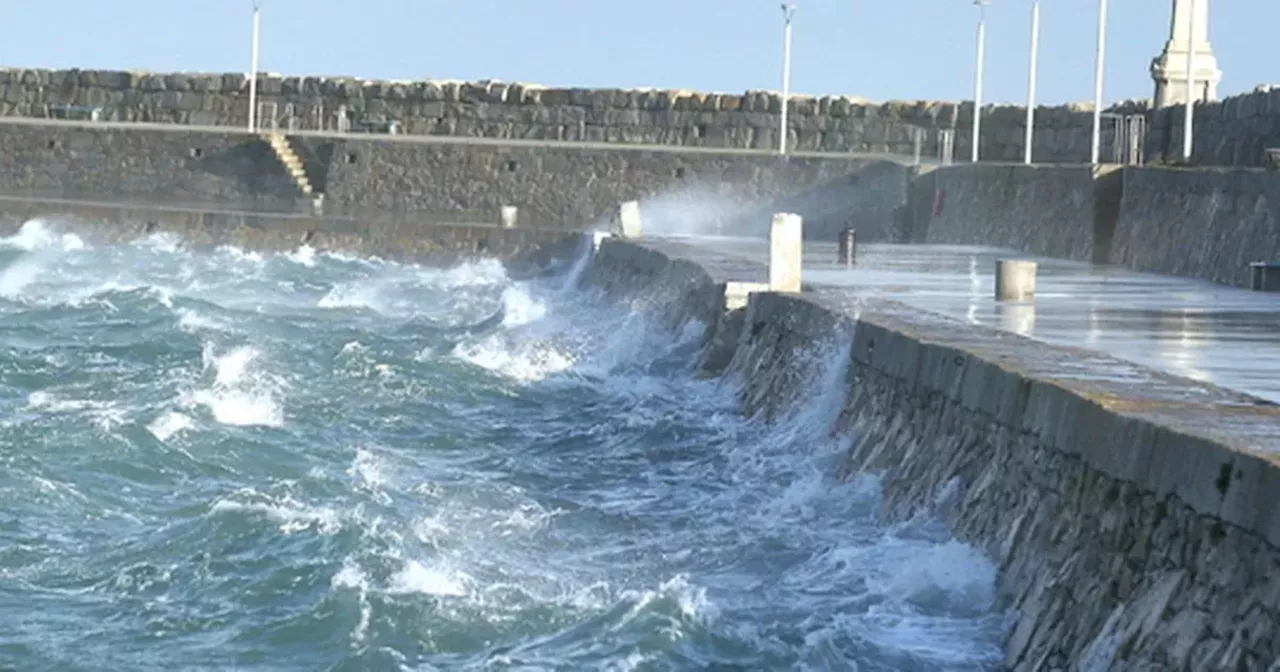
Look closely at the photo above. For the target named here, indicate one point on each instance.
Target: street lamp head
(788, 9)
(982, 3)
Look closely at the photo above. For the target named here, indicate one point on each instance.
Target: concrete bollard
(786, 248)
(628, 224)
(1264, 276)
(848, 246)
(1015, 279)
(508, 216)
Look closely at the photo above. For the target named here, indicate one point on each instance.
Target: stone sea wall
(1202, 223)
(1129, 512)
(1233, 131)
(491, 109)
(555, 185)
(1043, 210)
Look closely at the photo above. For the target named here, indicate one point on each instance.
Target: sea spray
(561, 490)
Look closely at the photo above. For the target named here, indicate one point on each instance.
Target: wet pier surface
(1213, 333)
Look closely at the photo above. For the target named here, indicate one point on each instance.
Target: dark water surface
(310, 462)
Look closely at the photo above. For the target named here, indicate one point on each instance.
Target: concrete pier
(1015, 279)
(786, 248)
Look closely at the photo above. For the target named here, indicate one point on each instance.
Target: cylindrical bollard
(786, 248)
(1015, 279)
(508, 215)
(848, 246)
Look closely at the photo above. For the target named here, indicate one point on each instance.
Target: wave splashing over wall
(309, 461)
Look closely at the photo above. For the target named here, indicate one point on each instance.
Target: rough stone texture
(561, 185)
(490, 109)
(1202, 223)
(399, 239)
(1199, 223)
(868, 200)
(554, 185)
(1044, 210)
(1230, 132)
(1130, 513)
(174, 167)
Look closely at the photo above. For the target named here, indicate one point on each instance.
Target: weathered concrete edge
(1212, 449)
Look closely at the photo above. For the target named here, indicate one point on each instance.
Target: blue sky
(885, 49)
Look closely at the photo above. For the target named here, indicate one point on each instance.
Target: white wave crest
(520, 308)
(415, 577)
(105, 415)
(37, 234)
(305, 255)
(241, 394)
(292, 515)
(170, 424)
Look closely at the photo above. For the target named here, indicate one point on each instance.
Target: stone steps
(292, 162)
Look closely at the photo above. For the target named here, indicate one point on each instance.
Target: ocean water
(224, 460)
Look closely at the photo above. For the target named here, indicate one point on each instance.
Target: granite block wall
(1233, 131)
(1202, 223)
(502, 110)
(555, 185)
(1042, 210)
(174, 166)
(1207, 223)
(560, 185)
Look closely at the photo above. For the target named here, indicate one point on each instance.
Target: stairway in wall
(279, 143)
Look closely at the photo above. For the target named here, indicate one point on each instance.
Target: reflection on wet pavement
(1213, 333)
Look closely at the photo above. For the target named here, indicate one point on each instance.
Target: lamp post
(1031, 79)
(788, 11)
(253, 71)
(1099, 61)
(1189, 122)
(977, 83)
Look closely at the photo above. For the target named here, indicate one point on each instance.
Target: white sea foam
(169, 425)
(351, 295)
(305, 255)
(292, 515)
(106, 415)
(18, 276)
(37, 234)
(415, 577)
(472, 274)
(163, 241)
(519, 308)
(525, 363)
(241, 394)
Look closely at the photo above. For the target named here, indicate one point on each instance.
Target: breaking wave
(230, 459)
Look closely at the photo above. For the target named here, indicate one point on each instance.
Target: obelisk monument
(1169, 70)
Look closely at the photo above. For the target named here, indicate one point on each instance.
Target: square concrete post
(508, 215)
(1015, 279)
(786, 247)
(628, 224)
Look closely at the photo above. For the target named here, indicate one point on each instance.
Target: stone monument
(1169, 70)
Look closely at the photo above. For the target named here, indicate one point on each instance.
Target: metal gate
(1123, 137)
